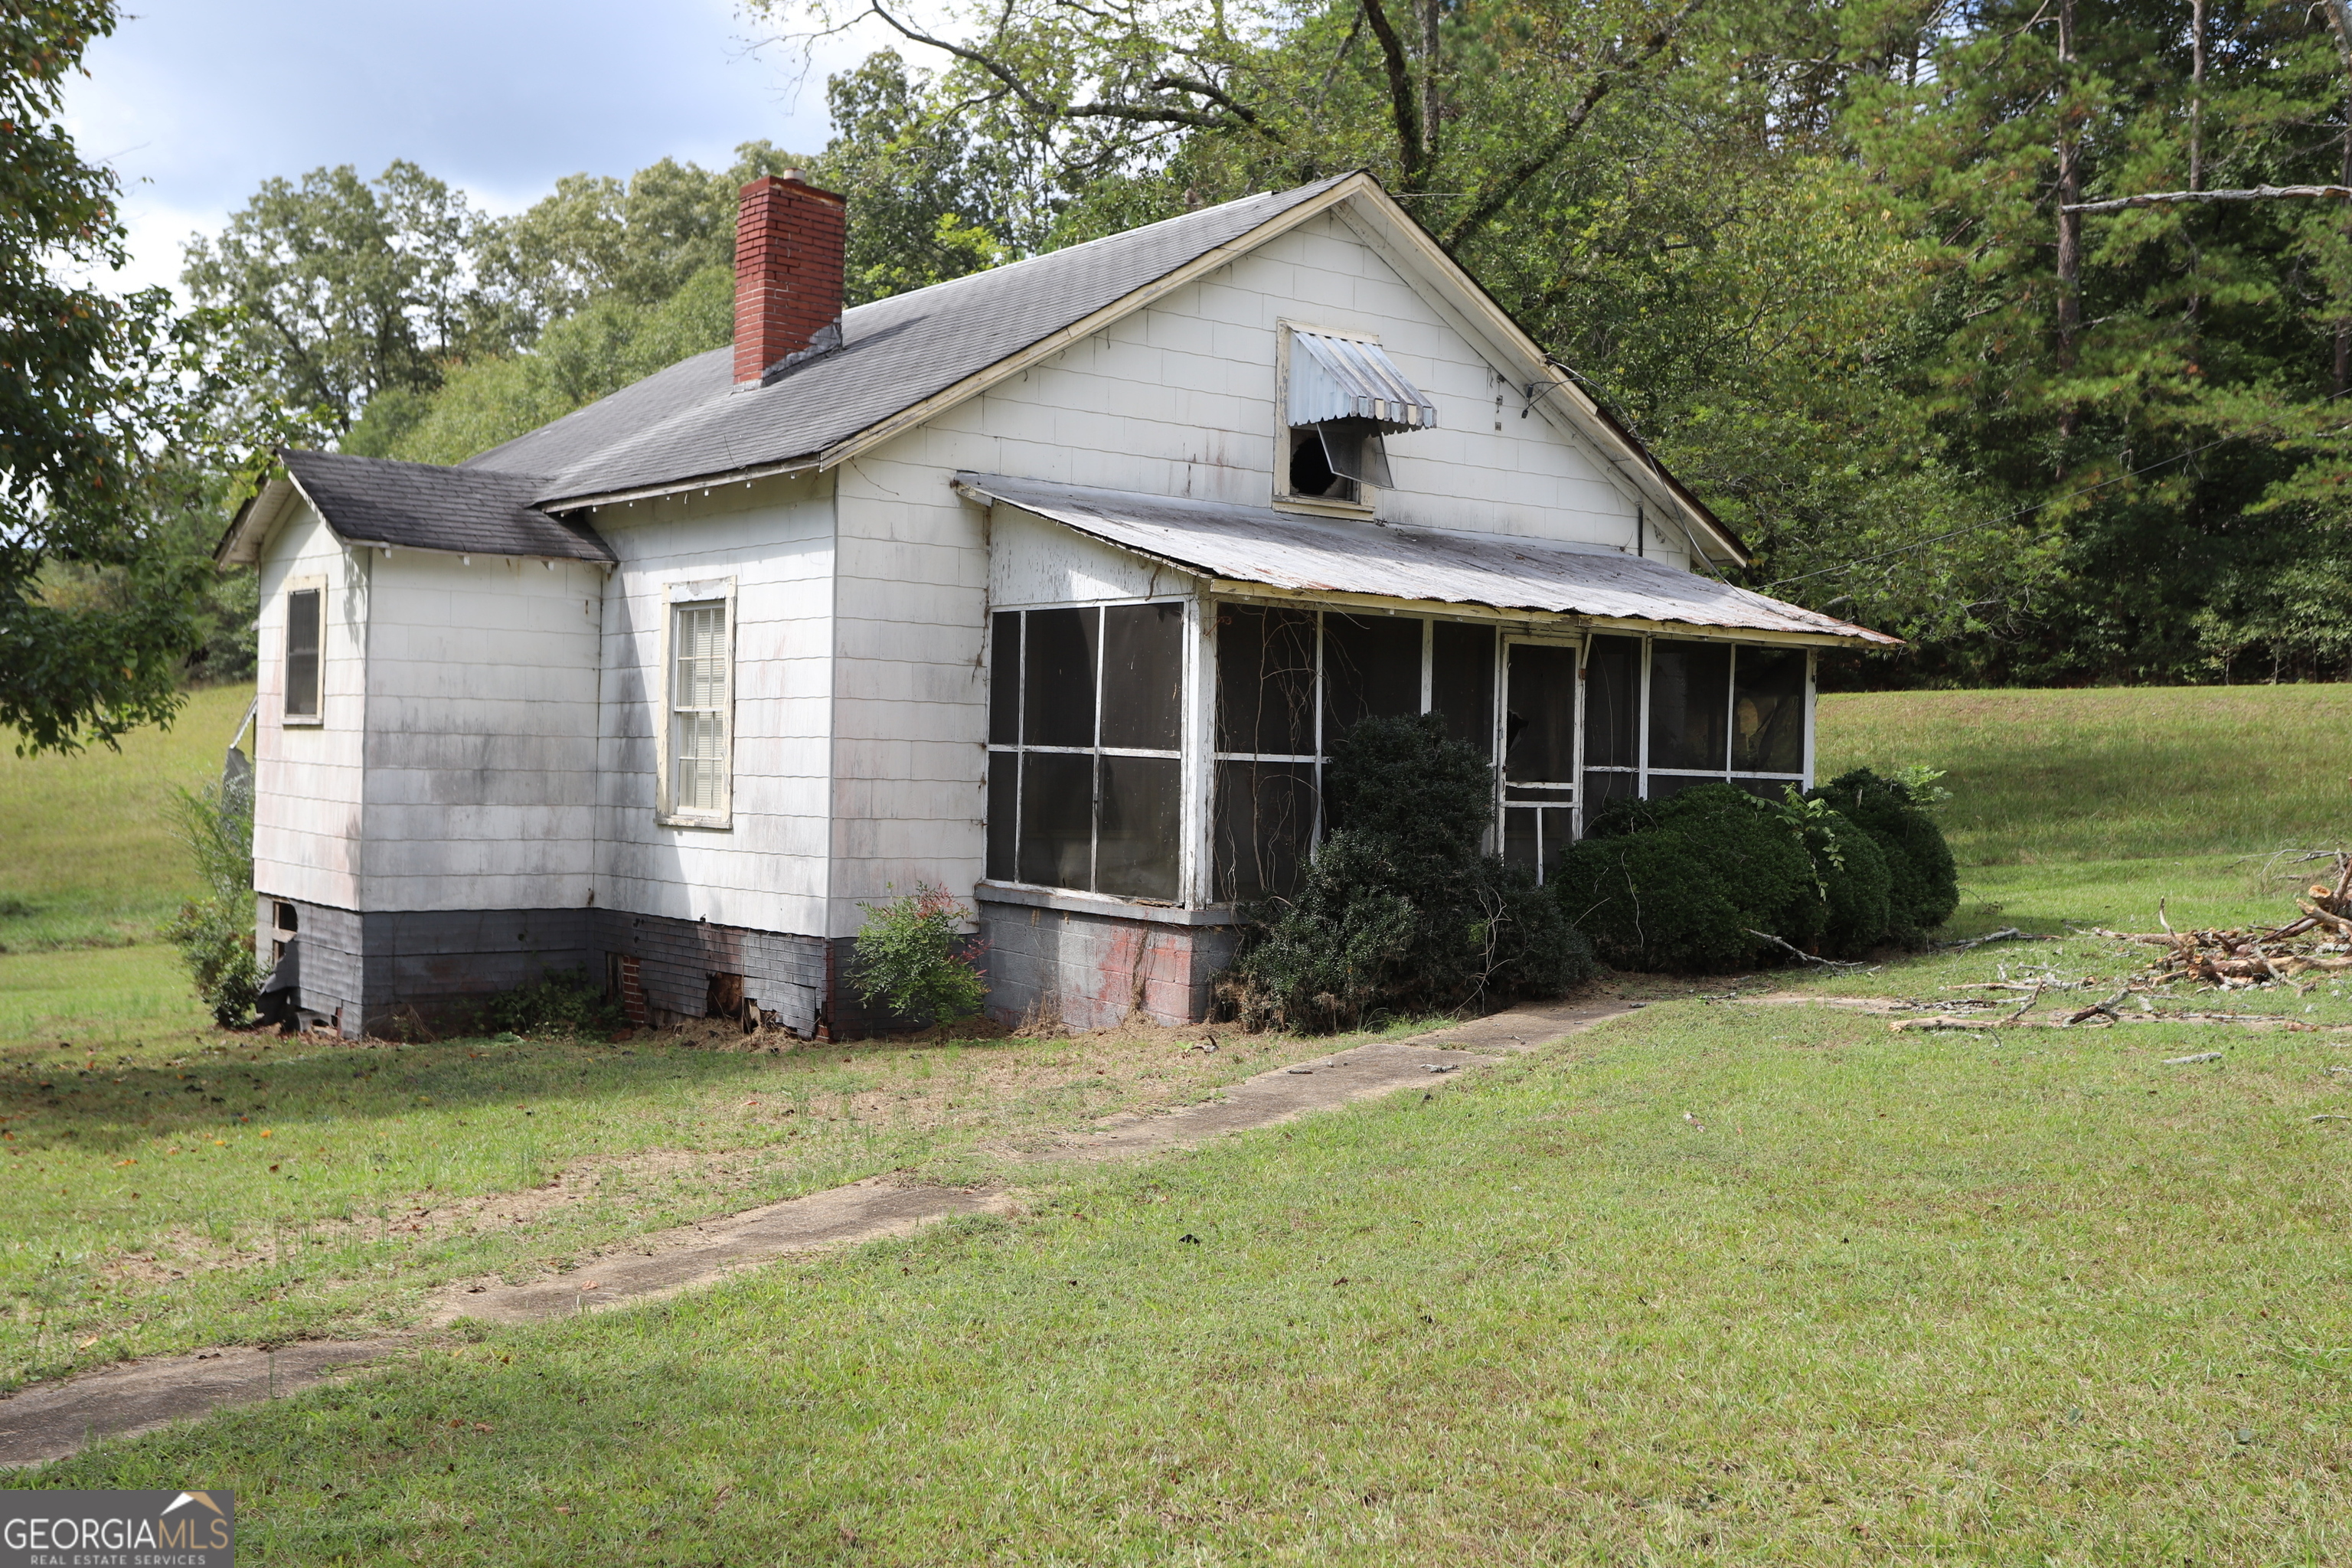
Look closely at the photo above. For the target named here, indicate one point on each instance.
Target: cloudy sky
(196, 101)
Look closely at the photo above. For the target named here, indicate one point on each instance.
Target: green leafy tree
(102, 399)
(342, 288)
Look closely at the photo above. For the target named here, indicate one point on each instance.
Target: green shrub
(215, 932)
(1925, 883)
(216, 943)
(1682, 883)
(562, 1002)
(911, 959)
(1399, 912)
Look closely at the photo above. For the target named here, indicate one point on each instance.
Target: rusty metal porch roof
(1306, 554)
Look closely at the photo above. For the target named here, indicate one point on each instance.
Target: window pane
(1266, 681)
(1135, 841)
(1766, 789)
(1265, 821)
(1666, 786)
(1058, 681)
(700, 759)
(1003, 814)
(1057, 811)
(699, 645)
(1144, 676)
(1461, 682)
(1005, 679)
(1690, 693)
(1540, 724)
(1371, 665)
(1613, 702)
(302, 653)
(1768, 714)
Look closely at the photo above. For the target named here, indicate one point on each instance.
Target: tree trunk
(2070, 224)
(1430, 90)
(2196, 95)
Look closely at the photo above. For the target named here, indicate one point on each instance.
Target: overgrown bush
(1399, 912)
(1682, 883)
(563, 1002)
(1689, 882)
(912, 960)
(1925, 882)
(215, 931)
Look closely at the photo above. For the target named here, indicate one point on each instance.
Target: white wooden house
(1050, 586)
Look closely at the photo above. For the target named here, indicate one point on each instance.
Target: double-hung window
(306, 627)
(1085, 786)
(698, 776)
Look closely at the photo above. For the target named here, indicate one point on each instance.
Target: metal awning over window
(1347, 378)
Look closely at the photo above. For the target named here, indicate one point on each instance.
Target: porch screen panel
(1768, 712)
(1084, 773)
(1265, 827)
(1538, 754)
(1461, 682)
(1372, 666)
(1137, 822)
(1057, 814)
(1690, 702)
(1613, 722)
(1265, 682)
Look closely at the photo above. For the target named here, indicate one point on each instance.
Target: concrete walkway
(50, 1421)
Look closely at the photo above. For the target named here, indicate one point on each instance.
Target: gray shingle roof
(1336, 555)
(689, 421)
(424, 506)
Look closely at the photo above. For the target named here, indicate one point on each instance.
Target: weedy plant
(215, 931)
(913, 960)
(563, 1002)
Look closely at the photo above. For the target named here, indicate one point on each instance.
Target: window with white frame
(701, 681)
(1086, 786)
(1289, 682)
(305, 645)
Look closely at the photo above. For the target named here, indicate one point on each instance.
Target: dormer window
(1342, 395)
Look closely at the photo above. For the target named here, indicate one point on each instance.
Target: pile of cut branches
(2238, 959)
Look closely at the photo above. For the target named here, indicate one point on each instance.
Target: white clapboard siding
(481, 742)
(309, 817)
(767, 868)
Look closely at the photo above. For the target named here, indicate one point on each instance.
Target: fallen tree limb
(1809, 957)
(2007, 933)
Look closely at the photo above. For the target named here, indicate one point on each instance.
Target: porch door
(1538, 752)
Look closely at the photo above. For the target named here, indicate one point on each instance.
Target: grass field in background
(2113, 773)
(1712, 1284)
(87, 855)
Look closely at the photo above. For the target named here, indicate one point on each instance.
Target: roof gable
(898, 356)
(413, 506)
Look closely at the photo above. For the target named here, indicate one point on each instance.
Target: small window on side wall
(305, 631)
(697, 786)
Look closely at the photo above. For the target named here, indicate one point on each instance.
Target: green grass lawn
(1720, 1283)
(86, 853)
(1712, 1284)
(2113, 773)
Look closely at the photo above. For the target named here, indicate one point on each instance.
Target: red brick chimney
(788, 246)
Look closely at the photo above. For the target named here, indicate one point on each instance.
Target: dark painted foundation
(383, 971)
